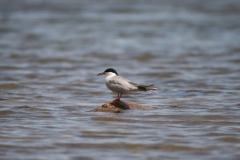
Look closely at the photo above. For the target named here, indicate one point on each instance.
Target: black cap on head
(111, 70)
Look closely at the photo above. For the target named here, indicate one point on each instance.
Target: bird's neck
(110, 75)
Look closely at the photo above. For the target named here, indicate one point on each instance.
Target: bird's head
(108, 71)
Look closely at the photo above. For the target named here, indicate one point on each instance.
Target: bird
(121, 85)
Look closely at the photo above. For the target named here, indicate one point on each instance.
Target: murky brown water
(51, 51)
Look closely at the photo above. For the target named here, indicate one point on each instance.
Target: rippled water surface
(51, 51)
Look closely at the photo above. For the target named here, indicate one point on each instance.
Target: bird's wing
(123, 82)
(133, 83)
(126, 80)
(118, 80)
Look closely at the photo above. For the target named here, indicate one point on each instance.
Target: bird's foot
(117, 100)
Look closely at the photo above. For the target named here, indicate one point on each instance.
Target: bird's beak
(102, 73)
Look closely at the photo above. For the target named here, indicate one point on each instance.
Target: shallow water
(50, 55)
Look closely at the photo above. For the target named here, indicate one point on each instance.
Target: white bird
(121, 85)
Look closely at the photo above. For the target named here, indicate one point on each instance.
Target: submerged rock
(119, 106)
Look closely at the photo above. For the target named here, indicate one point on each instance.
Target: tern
(121, 85)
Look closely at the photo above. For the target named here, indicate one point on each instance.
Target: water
(51, 52)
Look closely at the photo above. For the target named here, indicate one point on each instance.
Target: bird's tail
(142, 87)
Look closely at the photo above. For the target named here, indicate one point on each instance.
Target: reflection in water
(52, 51)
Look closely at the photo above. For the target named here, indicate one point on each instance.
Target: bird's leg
(117, 99)
(120, 95)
